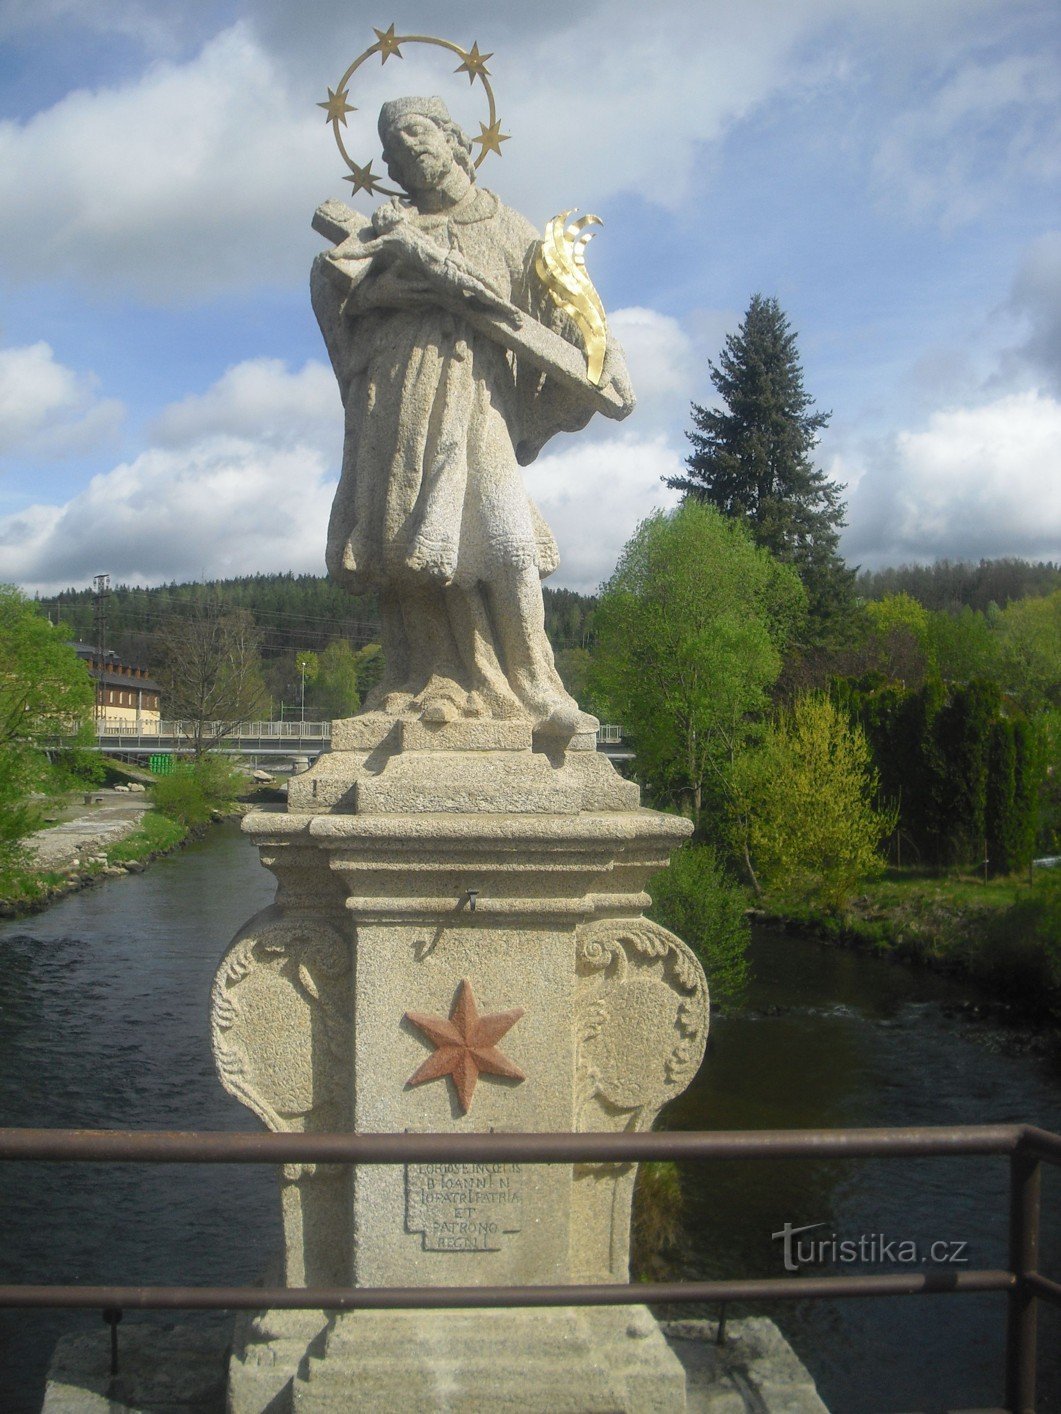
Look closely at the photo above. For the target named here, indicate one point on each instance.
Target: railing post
(1024, 1201)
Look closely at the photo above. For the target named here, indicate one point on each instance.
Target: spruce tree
(752, 459)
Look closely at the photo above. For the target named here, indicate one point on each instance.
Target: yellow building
(125, 696)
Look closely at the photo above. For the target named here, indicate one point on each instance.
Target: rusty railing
(1025, 1146)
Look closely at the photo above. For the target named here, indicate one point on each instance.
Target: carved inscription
(463, 1207)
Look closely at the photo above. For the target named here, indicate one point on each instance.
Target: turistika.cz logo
(868, 1249)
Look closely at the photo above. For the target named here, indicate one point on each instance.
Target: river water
(103, 1023)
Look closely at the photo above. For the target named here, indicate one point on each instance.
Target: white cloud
(975, 481)
(201, 174)
(1036, 299)
(240, 478)
(662, 363)
(192, 178)
(259, 400)
(594, 494)
(991, 124)
(224, 507)
(46, 409)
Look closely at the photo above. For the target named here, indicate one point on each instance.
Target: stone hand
(614, 375)
(447, 270)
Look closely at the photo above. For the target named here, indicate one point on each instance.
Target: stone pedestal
(449, 894)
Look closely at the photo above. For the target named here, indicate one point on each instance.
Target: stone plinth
(423, 923)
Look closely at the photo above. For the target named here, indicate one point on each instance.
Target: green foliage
(334, 692)
(999, 797)
(897, 640)
(155, 834)
(574, 665)
(806, 797)
(211, 669)
(752, 459)
(1018, 951)
(690, 632)
(962, 644)
(1011, 814)
(568, 618)
(961, 739)
(1029, 635)
(696, 899)
(656, 1220)
(45, 693)
(45, 689)
(76, 766)
(1049, 824)
(195, 791)
(950, 586)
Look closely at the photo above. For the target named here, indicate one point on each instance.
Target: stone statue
(434, 316)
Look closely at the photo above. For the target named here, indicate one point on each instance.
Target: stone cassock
(458, 939)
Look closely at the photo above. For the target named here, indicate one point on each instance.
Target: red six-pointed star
(466, 1045)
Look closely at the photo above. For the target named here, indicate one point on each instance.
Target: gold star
(466, 1045)
(336, 107)
(388, 45)
(474, 63)
(364, 179)
(490, 138)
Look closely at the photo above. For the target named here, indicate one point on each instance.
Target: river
(103, 1023)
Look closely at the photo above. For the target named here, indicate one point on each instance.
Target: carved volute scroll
(642, 1022)
(641, 1029)
(279, 1013)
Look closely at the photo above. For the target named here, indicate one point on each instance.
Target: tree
(806, 793)
(211, 670)
(334, 692)
(897, 640)
(962, 743)
(45, 693)
(752, 458)
(1029, 635)
(690, 632)
(307, 665)
(963, 645)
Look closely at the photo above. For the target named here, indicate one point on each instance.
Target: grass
(24, 889)
(656, 1220)
(1005, 933)
(155, 834)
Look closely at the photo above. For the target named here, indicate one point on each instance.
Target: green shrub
(656, 1220)
(193, 792)
(155, 833)
(697, 900)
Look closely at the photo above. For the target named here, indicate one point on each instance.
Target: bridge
(260, 740)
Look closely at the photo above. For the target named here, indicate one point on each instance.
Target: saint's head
(422, 146)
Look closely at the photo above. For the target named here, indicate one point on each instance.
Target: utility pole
(101, 585)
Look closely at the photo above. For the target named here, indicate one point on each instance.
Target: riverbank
(114, 840)
(1003, 934)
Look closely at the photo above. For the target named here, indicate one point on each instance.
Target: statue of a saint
(418, 310)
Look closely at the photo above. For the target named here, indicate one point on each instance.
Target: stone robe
(439, 418)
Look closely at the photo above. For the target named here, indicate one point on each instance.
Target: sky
(888, 169)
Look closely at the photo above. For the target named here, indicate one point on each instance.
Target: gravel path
(88, 834)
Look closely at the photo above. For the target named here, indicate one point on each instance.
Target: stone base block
(575, 1360)
(564, 1361)
(179, 1369)
(754, 1369)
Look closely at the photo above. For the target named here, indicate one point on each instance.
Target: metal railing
(1025, 1146)
(219, 731)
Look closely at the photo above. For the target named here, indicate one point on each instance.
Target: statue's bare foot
(565, 721)
(442, 700)
(474, 706)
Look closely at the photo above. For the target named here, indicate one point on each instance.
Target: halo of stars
(388, 44)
